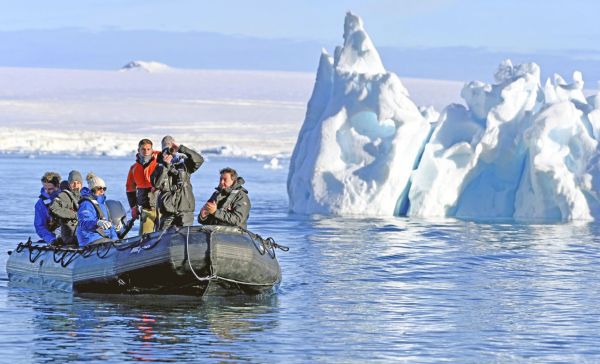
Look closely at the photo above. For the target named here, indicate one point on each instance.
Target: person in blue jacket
(44, 223)
(93, 215)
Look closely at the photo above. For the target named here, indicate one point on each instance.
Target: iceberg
(361, 137)
(515, 150)
(562, 175)
(472, 165)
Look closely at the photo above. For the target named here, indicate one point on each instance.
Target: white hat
(94, 181)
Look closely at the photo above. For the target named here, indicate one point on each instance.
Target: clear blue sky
(521, 25)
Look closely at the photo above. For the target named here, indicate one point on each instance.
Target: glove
(103, 224)
(135, 213)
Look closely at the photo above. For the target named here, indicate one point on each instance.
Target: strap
(98, 212)
(229, 200)
(72, 197)
(45, 200)
(96, 206)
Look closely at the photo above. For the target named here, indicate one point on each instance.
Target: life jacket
(235, 189)
(139, 174)
(99, 212)
(229, 201)
(72, 198)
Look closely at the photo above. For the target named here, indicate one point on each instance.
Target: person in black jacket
(229, 205)
(64, 208)
(171, 177)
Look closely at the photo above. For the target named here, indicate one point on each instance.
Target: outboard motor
(118, 216)
(116, 211)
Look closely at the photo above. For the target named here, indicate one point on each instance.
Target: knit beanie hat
(75, 176)
(167, 142)
(94, 181)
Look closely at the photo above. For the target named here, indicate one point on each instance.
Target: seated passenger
(64, 208)
(94, 220)
(44, 223)
(229, 205)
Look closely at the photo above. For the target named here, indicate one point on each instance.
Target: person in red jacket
(140, 193)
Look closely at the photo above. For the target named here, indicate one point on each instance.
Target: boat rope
(32, 258)
(212, 275)
(66, 255)
(189, 260)
(263, 245)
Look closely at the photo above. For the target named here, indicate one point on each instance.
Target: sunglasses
(99, 188)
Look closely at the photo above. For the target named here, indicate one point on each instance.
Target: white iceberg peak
(358, 53)
(508, 73)
(361, 137)
(559, 90)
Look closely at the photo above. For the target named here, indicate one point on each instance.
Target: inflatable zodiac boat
(195, 260)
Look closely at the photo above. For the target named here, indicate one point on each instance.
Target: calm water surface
(353, 290)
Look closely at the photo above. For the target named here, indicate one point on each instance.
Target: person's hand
(167, 158)
(135, 213)
(203, 213)
(57, 242)
(211, 207)
(103, 224)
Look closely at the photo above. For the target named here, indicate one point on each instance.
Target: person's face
(145, 150)
(75, 185)
(99, 191)
(49, 188)
(226, 181)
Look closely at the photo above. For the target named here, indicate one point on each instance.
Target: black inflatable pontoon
(194, 260)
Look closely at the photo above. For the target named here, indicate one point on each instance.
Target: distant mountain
(110, 49)
(144, 66)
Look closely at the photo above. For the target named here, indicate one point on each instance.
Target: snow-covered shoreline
(229, 112)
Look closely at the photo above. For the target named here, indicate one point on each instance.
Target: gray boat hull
(194, 260)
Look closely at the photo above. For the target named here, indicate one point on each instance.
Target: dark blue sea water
(353, 290)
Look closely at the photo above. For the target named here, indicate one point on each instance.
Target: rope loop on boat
(189, 260)
(212, 275)
(66, 255)
(263, 245)
(32, 258)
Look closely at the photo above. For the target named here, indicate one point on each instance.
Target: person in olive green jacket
(64, 208)
(172, 177)
(229, 204)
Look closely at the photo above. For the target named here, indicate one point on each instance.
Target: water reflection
(117, 328)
